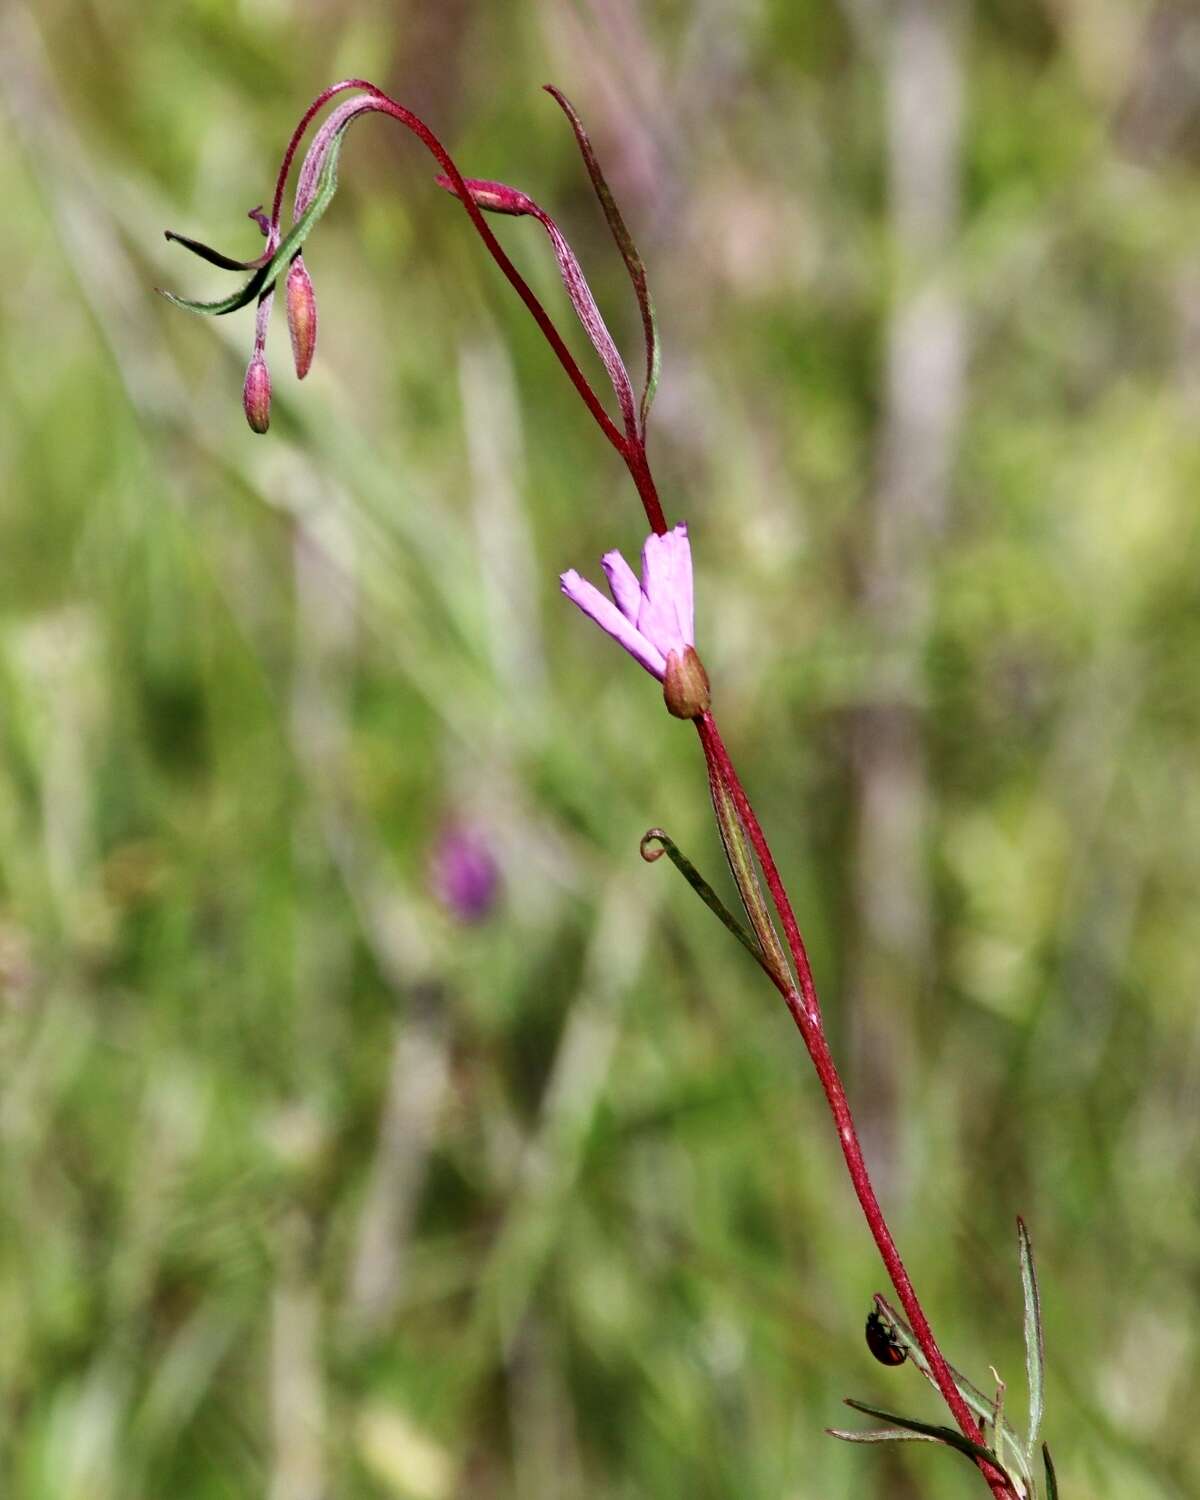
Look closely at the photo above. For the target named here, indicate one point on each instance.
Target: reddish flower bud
(301, 316)
(492, 197)
(256, 394)
(685, 685)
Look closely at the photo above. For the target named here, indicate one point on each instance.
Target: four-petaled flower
(653, 619)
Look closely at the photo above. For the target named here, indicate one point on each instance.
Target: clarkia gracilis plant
(651, 617)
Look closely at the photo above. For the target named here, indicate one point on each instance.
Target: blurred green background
(310, 1191)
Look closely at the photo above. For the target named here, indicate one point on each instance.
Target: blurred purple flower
(463, 873)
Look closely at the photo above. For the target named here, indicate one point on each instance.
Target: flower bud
(301, 316)
(256, 394)
(492, 197)
(685, 685)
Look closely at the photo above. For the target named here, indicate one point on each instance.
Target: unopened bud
(685, 685)
(301, 316)
(256, 394)
(492, 197)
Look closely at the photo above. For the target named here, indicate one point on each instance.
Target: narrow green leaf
(653, 361)
(1035, 1348)
(948, 1435)
(287, 247)
(745, 875)
(241, 298)
(629, 252)
(880, 1435)
(1007, 1444)
(1051, 1476)
(981, 1405)
(688, 870)
(215, 257)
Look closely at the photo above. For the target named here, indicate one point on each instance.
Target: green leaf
(215, 257)
(688, 870)
(288, 245)
(1035, 1349)
(1051, 1476)
(241, 298)
(880, 1435)
(984, 1407)
(629, 253)
(653, 360)
(745, 875)
(948, 1435)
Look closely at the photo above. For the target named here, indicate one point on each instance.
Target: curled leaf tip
(653, 845)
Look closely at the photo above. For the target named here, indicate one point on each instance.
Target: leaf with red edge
(498, 197)
(629, 251)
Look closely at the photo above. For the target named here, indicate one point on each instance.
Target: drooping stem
(293, 144)
(805, 1010)
(630, 445)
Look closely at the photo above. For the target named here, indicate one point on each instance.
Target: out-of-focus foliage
(309, 1192)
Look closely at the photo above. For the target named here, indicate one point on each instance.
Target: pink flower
(652, 619)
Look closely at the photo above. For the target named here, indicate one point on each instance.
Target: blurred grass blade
(1051, 1476)
(1035, 1349)
(948, 1435)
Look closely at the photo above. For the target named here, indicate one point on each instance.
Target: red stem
(631, 448)
(803, 1004)
(806, 1012)
(289, 155)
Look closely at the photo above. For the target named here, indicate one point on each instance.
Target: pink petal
(683, 579)
(622, 581)
(605, 613)
(665, 616)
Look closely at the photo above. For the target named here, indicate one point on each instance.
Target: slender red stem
(802, 1003)
(806, 1012)
(639, 469)
(630, 446)
(289, 155)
